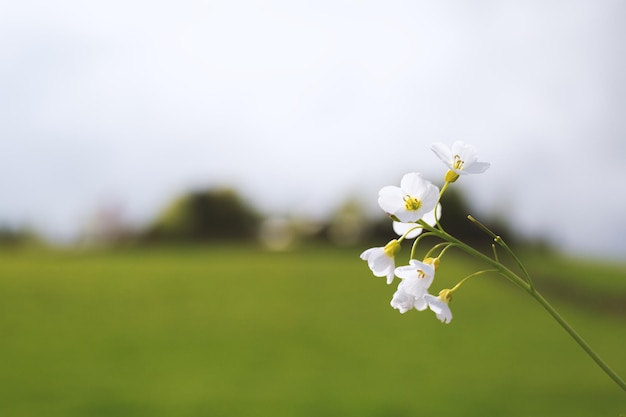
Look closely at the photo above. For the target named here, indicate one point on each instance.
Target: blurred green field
(239, 331)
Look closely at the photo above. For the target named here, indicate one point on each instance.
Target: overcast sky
(302, 104)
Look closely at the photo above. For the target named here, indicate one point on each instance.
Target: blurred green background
(172, 296)
(238, 330)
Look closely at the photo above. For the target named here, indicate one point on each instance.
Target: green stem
(500, 241)
(414, 247)
(581, 342)
(475, 274)
(512, 276)
(530, 289)
(443, 190)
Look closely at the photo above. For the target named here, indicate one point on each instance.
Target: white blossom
(416, 278)
(381, 260)
(411, 201)
(440, 307)
(462, 158)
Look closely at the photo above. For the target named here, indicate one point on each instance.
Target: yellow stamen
(458, 162)
(451, 175)
(412, 203)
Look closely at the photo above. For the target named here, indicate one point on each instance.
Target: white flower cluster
(412, 206)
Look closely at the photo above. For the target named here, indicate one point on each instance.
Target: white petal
(467, 153)
(410, 271)
(402, 301)
(439, 307)
(391, 199)
(402, 228)
(446, 315)
(459, 147)
(413, 184)
(366, 254)
(477, 167)
(381, 265)
(429, 217)
(442, 152)
(390, 275)
(429, 198)
(406, 271)
(420, 304)
(408, 216)
(416, 286)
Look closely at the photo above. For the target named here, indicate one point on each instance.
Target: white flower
(439, 305)
(413, 290)
(416, 278)
(462, 158)
(401, 228)
(404, 302)
(413, 199)
(382, 260)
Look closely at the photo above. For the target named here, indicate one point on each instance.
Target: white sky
(301, 104)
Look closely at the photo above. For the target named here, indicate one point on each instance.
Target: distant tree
(12, 236)
(204, 216)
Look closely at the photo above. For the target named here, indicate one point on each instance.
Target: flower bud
(392, 248)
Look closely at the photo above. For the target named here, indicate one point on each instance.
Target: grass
(237, 331)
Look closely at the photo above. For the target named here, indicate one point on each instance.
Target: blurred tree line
(219, 215)
(14, 236)
(222, 215)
